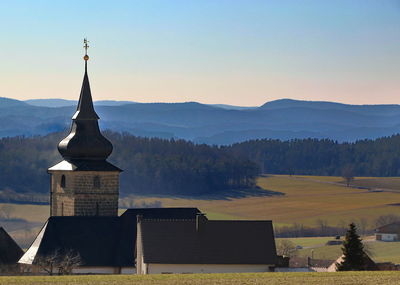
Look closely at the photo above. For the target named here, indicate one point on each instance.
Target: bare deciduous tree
(323, 226)
(286, 248)
(362, 224)
(386, 219)
(63, 263)
(348, 174)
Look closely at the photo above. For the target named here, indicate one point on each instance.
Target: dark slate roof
(393, 228)
(85, 140)
(212, 242)
(128, 223)
(10, 252)
(94, 238)
(85, 109)
(84, 165)
(100, 241)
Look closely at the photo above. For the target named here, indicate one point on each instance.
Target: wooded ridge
(178, 167)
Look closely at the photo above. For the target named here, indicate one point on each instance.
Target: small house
(390, 232)
(305, 264)
(10, 253)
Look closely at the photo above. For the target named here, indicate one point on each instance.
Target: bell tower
(84, 183)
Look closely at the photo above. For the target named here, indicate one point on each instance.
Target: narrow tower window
(63, 181)
(96, 182)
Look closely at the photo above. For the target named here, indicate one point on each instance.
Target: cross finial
(85, 46)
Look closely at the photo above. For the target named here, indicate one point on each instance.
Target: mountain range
(212, 124)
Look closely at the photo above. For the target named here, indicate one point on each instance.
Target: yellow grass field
(313, 278)
(306, 199)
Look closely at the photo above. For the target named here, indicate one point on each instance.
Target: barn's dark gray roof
(207, 242)
(128, 223)
(10, 252)
(100, 241)
(393, 228)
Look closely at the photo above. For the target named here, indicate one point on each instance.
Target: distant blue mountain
(51, 102)
(64, 103)
(213, 124)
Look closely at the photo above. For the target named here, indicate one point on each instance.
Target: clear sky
(211, 51)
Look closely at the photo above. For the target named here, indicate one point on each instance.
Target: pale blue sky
(232, 52)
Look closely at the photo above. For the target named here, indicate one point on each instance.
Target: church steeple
(84, 183)
(85, 108)
(85, 141)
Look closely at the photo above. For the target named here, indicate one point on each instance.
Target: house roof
(10, 252)
(100, 241)
(207, 242)
(94, 238)
(85, 140)
(84, 165)
(128, 220)
(392, 228)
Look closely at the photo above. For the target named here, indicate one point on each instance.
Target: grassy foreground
(381, 278)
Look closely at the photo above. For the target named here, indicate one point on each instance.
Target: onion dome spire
(85, 141)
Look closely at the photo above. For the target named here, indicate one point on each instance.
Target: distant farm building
(390, 232)
(305, 264)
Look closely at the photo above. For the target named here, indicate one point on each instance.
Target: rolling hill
(212, 124)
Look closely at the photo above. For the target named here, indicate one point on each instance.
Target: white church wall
(206, 268)
(95, 270)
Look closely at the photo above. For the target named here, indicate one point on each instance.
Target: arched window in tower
(62, 181)
(96, 182)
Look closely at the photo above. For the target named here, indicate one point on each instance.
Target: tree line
(380, 157)
(151, 165)
(160, 166)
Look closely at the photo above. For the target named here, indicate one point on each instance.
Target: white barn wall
(387, 237)
(153, 268)
(128, 270)
(103, 270)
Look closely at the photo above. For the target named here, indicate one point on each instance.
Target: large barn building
(85, 232)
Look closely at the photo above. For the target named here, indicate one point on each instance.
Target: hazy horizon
(214, 52)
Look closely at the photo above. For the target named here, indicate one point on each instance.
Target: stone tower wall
(86, 193)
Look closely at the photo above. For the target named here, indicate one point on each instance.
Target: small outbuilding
(10, 252)
(390, 232)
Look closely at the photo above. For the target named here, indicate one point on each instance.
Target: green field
(315, 246)
(366, 278)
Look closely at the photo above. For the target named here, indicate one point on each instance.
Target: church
(85, 234)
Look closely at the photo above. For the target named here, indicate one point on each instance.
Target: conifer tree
(354, 257)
